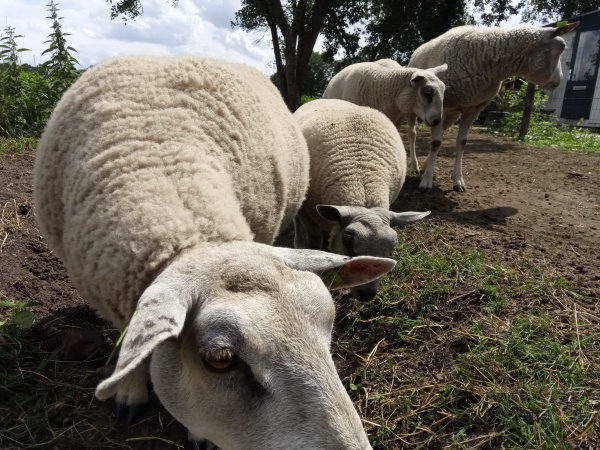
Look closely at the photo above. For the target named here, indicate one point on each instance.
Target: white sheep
(152, 179)
(357, 168)
(394, 90)
(479, 59)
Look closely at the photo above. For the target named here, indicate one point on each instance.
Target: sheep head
(429, 96)
(239, 336)
(365, 231)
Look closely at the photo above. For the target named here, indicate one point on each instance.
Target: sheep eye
(427, 92)
(221, 359)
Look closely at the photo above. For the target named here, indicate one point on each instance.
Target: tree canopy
(357, 30)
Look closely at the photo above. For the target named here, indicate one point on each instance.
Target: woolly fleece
(146, 157)
(480, 58)
(383, 85)
(356, 156)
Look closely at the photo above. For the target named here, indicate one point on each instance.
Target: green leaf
(354, 387)
(23, 319)
(562, 23)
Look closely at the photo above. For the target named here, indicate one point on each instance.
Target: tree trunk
(527, 108)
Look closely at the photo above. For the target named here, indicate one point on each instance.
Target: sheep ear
(559, 31)
(336, 271)
(416, 79)
(160, 315)
(330, 213)
(440, 69)
(397, 219)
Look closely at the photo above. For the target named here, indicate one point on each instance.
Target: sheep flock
(162, 183)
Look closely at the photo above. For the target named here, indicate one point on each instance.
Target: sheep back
(146, 157)
(356, 156)
(478, 58)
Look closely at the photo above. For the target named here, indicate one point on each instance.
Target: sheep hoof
(128, 413)
(202, 445)
(459, 188)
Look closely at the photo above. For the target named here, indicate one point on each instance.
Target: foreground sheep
(152, 178)
(357, 168)
(479, 59)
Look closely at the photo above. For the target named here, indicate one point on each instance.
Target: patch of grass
(16, 146)
(544, 129)
(460, 350)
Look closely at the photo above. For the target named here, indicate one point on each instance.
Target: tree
(396, 28)
(532, 10)
(294, 26)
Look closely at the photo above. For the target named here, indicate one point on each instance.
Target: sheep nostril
(435, 122)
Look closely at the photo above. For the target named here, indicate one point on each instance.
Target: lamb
(356, 172)
(394, 90)
(159, 182)
(479, 59)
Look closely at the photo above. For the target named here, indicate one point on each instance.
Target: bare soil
(521, 202)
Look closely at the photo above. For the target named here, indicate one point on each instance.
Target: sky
(194, 27)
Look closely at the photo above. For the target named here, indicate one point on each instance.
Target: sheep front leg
(466, 121)
(132, 393)
(436, 142)
(413, 163)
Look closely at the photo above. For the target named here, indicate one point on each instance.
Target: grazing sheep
(355, 163)
(479, 59)
(152, 178)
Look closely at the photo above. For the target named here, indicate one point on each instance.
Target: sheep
(394, 90)
(356, 172)
(479, 59)
(160, 182)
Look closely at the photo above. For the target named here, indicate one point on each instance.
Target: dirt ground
(543, 204)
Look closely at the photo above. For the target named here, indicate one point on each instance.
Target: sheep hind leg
(413, 163)
(436, 142)
(466, 121)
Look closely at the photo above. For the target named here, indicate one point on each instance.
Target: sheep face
(429, 94)
(543, 64)
(364, 231)
(239, 337)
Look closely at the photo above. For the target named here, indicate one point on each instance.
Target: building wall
(556, 96)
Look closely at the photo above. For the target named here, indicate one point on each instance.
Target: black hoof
(459, 188)
(202, 445)
(128, 413)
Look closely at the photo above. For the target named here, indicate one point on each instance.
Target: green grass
(460, 350)
(15, 146)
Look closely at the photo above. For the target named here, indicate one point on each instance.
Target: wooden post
(527, 107)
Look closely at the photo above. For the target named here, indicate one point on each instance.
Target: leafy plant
(60, 68)
(15, 317)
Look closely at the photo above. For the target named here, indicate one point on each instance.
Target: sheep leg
(466, 121)
(197, 443)
(308, 233)
(132, 393)
(436, 142)
(300, 238)
(413, 163)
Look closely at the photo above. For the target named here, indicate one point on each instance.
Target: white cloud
(194, 27)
